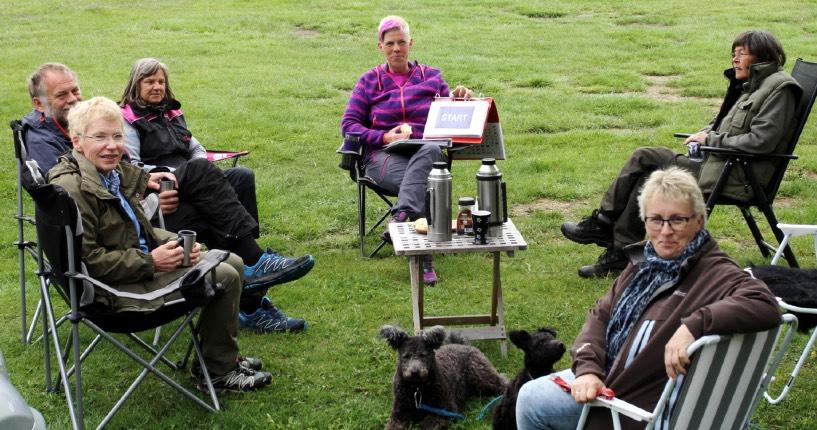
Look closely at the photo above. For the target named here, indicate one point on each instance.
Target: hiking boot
(611, 261)
(273, 268)
(250, 363)
(399, 217)
(596, 228)
(239, 379)
(269, 318)
(429, 275)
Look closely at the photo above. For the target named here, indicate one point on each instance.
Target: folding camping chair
(59, 230)
(352, 156)
(789, 231)
(805, 73)
(721, 389)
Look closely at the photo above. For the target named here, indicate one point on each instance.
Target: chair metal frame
(805, 72)
(720, 346)
(66, 276)
(790, 231)
(352, 160)
(24, 247)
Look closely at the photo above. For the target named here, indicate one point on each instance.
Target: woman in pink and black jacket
(390, 102)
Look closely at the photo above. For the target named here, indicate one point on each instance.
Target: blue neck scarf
(112, 183)
(655, 271)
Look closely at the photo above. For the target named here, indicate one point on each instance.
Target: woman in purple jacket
(390, 102)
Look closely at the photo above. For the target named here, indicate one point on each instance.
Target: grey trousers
(404, 175)
(620, 202)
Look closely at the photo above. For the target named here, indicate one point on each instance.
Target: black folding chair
(59, 231)
(352, 156)
(805, 72)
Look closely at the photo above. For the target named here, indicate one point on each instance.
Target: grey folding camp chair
(59, 231)
(721, 389)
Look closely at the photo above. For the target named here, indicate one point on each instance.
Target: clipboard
(472, 125)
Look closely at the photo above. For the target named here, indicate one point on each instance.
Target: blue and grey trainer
(269, 318)
(273, 268)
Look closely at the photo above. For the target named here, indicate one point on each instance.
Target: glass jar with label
(465, 225)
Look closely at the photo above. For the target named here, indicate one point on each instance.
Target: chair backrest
(59, 227)
(805, 73)
(723, 382)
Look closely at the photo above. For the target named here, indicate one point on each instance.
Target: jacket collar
(759, 72)
(91, 183)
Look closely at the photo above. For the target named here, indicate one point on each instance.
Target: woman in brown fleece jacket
(679, 286)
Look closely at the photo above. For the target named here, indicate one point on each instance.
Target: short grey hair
(673, 183)
(141, 69)
(36, 86)
(393, 22)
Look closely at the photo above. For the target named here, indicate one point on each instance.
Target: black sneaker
(612, 261)
(239, 379)
(250, 363)
(595, 228)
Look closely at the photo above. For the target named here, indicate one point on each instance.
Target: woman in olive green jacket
(757, 116)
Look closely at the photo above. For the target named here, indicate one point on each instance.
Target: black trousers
(209, 205)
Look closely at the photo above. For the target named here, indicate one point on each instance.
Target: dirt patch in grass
(658, 90)
(811, 175)
(783, 202)
(305, 32)
(547, 205)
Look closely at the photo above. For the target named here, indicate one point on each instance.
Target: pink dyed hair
(392, 22)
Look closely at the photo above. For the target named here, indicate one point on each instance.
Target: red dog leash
(605, 393)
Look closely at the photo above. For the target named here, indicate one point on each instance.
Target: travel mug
(165, 185)
(481, 219)
(186, 240)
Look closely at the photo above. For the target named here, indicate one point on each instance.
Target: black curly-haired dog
(434, 380)
(542, 351)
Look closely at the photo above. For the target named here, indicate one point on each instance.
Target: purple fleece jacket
(378, 104)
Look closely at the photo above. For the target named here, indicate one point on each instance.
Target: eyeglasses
(102, 138)
(740, 54)
(657, 223)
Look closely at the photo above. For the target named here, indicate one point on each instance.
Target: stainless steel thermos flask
(491, 195)
(438, 203)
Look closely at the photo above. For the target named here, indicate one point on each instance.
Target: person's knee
(432, 151)
(229, 275)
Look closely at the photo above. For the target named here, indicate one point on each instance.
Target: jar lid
(488, 161)
(466, 201)
(439, 165)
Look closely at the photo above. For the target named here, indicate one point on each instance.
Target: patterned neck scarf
(655, 271)
(112, 183)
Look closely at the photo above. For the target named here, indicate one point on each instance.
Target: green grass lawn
(579, 85)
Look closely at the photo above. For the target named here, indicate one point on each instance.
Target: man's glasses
(656, 223)
(102, 138)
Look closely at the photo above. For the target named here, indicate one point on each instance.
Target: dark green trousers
(620, 202)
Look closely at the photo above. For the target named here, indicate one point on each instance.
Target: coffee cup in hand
(187, 238)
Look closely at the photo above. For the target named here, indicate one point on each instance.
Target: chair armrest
(681, 135)
(623, 408)
(797, 229)
(729, 152)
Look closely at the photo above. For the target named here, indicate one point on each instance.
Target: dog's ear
(520, 338)
(550, 330)
(434, 336)
(393, 335)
